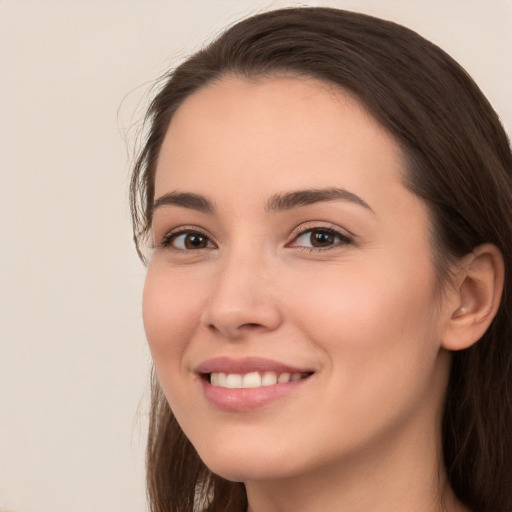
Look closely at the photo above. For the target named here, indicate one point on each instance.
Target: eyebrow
(276, 203)
(185, 200)
(289, 200)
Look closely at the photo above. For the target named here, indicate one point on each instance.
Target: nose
(243, 299)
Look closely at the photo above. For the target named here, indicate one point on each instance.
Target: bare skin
(340, 286)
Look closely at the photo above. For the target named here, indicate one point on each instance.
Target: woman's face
(287, 249)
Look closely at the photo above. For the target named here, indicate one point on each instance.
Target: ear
(478, 284)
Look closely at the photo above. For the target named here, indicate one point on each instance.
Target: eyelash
(170, 237)
(344, 239)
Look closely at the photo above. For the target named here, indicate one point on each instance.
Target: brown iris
(322, 238)
(195, 241)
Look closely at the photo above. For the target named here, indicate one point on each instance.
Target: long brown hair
(458, 161)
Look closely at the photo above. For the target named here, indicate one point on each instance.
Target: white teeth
(252, 379)
(233, 381)
(269, 379)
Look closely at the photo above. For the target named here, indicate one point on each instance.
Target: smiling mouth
(253, 379)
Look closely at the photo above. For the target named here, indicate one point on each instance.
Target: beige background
(74, 79)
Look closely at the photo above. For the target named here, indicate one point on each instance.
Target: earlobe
(478, 287)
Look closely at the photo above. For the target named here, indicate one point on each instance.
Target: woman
(326, 304)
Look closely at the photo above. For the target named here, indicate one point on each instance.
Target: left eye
(320, 238)
(189, 240)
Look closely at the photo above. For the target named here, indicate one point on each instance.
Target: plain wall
(74, 79)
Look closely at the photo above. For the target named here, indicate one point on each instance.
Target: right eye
(187, 241)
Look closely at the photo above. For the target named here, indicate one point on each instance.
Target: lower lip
(248, 399)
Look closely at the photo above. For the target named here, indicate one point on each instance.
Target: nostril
(250, 325)
(236, 331)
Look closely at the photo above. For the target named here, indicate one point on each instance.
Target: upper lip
(246, 365)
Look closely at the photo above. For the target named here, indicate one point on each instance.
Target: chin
(242, 465)
(245, 472)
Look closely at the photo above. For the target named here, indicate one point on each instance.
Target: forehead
(286, 132)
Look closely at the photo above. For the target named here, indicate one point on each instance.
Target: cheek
(365, 314)
(379, 337)
(170, 310)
